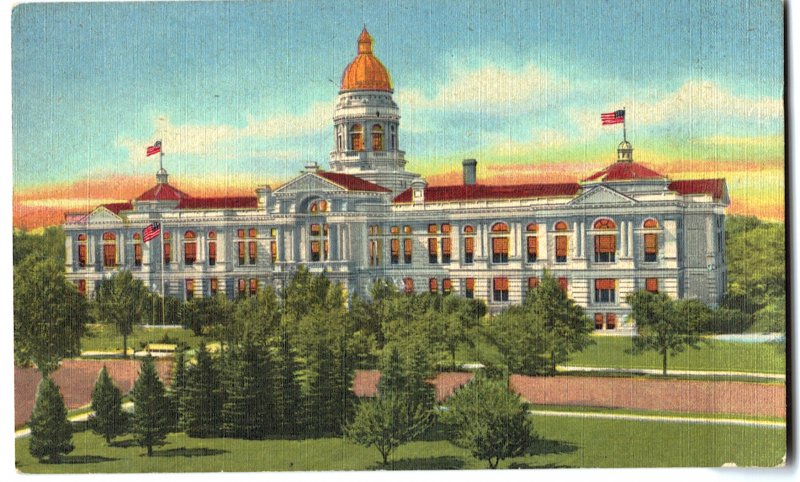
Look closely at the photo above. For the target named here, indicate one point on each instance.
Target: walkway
(696, 373)
(662, 418)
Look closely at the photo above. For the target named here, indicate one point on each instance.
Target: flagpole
(163, 293)
(161, 155)
(624, 126)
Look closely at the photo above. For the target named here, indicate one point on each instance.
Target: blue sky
(245, 90)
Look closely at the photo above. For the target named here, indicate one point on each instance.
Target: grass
(658, 413)
(610, 352)
(102, 337)
(565, 442)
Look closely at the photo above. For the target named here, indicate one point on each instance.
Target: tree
(121, 300)
(108, 419)
(51, 432)
(387, 423)
(661, 326)
(456, 323)
(256, 318)
(202, 401)
(177, 389)
(487, 419)
(150, 422)
(248, 410)
(49, 315)
(288, 395)
(49, 245)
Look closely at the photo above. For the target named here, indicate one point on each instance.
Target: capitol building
(619, 230)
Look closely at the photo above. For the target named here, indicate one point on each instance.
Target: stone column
(630, 238)
(121, 250)
(623, 239)
(576, 235)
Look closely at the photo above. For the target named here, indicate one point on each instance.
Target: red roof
(624, 171)
(480, 191)
(233, 202)
(117, 207)
(351, 183)
(714, 187)
(162, 192)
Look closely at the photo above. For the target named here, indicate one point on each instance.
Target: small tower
(625, 152)
(162, 176)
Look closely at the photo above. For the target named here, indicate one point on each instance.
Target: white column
(710, 236)
(623, 239)
(121, 250)
(542, 239)
(222, 247)
(68, 251)
(630, 238)
(201, 249)
(91, 245)
(576, 235)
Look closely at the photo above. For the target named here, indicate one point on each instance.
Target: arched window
(532, 228)
(532, 242)
(393, 142)
(650, 223)
(212, 248)
(500, 243)
(468, 229)
(408, 285)
(189, 248)
(500, 228)
(377, 137)
(167, 248)
(318, 206)
(561, 226)
(109, 250)
(137, 249)
(562, 243)
(356, 138)
(605, 245)
(81, 250)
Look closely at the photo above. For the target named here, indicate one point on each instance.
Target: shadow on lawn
(547, 447)
(184, 452)
(84, 459)
(443, 462)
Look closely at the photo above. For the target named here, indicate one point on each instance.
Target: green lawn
(102, 337)
(566, 442)
(610, 351)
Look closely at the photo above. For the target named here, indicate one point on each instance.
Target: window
(273, 251)
(446, 248)
(213, 286)
(189, 288)
(242, 253)
(407, 229)
(315, 251)
(560, 226)
(561, 249)
(252, 246)
(393, 143)
(469, 288)
(651, 247)
(189, 248)
(167, 248)
(408, 285)
(605, 248)
(500, 250)
(137, 249)
(500, 228)
(446, 228)
(318, 244)
(252, 233)
(650, 224)
(318, 206)
(533, 282)
(532, 228)
(356, 138)
(500, 289)
(81, 250)
(109, 250)
(469, 229)
(212, 248)
(563, 283)
(533, 249)
(611, 321)
(604, 224)
(394, 230)
(651, 285)
(433, 229)
(599, 319)
(432, 250)
(240, 233)
(253, 286)
(469, 250)
(447, 286)
(433, 286)
(605, 290)
(377, 137)
(241, 288)
(375, 245)
(395, 251)
(408, 246)
(82, 287)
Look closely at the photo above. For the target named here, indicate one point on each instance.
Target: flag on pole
(151, 232)
(154, 149)
(616, 117)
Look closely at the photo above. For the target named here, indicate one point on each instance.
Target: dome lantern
(365, 72)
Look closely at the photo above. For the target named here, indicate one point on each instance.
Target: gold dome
(365, 72)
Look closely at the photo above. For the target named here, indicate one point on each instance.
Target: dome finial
(365, 42)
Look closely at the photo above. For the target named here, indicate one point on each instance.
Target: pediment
(103, 215)
(602, 195)
(308, 183)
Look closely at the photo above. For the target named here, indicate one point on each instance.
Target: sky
(243, 93)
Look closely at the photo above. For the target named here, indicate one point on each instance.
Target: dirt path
(756, 399)
(76, 379)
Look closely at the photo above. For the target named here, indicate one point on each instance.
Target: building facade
(622, 229)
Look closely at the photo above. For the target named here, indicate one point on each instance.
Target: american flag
(616, 117)
(154, 149)
(151, 231)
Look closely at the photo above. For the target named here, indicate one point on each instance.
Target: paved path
(662, 418)
(699, 373)
(127, 406)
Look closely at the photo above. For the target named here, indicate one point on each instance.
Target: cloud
(492, 89)
(219, 141)
(757, 141)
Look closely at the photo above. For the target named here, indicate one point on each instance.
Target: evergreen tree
(288, 396)
(177, 390)
(51, 432)
(330, 400)
(150, 423)
(108, 419)
(202, 401)
(248, 410)
(393, 379)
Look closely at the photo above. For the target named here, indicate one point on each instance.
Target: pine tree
(393, 377)
(288, 396)
(202, 401)
(248, 409)
(150, 423)
(51, 432)
(108, 419)
(177, 390)
(330, 402)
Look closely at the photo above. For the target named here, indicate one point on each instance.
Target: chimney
(469, 171)
(263, 193)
